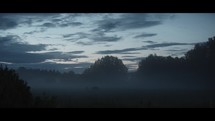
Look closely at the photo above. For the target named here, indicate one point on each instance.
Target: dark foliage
(106, 68)
(202, 57)
(49, 76)
(45, 101)
(197, 64)
(14, 92)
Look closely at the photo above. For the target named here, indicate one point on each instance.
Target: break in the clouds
(59, 39)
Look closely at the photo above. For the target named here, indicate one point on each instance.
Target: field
(129, 98)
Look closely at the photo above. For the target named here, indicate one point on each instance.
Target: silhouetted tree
(107, 68)
(160, 63)
(14, 92)
(202, 56)
(201, 60)
(197, 65)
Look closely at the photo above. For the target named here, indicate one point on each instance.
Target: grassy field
(128, 98)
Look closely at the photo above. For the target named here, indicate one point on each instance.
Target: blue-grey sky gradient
(73, 41)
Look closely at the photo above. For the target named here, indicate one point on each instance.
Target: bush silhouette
(14, 92)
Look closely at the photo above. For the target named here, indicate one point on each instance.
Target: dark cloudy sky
(67, 41)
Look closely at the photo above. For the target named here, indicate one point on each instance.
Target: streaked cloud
(144, 35)
(147, 47)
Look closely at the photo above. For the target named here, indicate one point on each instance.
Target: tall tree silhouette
(106, 68)
(197, 65)
(202, 56)
(155, 66)
(14, 92)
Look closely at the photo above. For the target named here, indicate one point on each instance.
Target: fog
(131, 92)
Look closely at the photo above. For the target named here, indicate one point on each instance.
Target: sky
(74, 41)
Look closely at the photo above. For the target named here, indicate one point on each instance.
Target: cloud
(36, 31)
(12, 43)
(29, 19)
(56, 20)
(77, 36)
(7, 23)
(129, 21)
(84, 43)
(149, 41)
(63, 55)
(176, 50)
(166, 44)
(53, 49)
(49, 25)
(103, 38)
(67, 35)
(60, 20)
(14, 51)
(107, 25)
(64, 24)
(128, 56)
(14, 57)
(147, 47)
(76, 23)
(144, 35)
(31, 32)
(122, 51)
(96, 37)
(8, 39)
(107, 45)
(76, 52)
(47, 20)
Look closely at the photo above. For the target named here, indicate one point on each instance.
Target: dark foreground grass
(128, 99)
